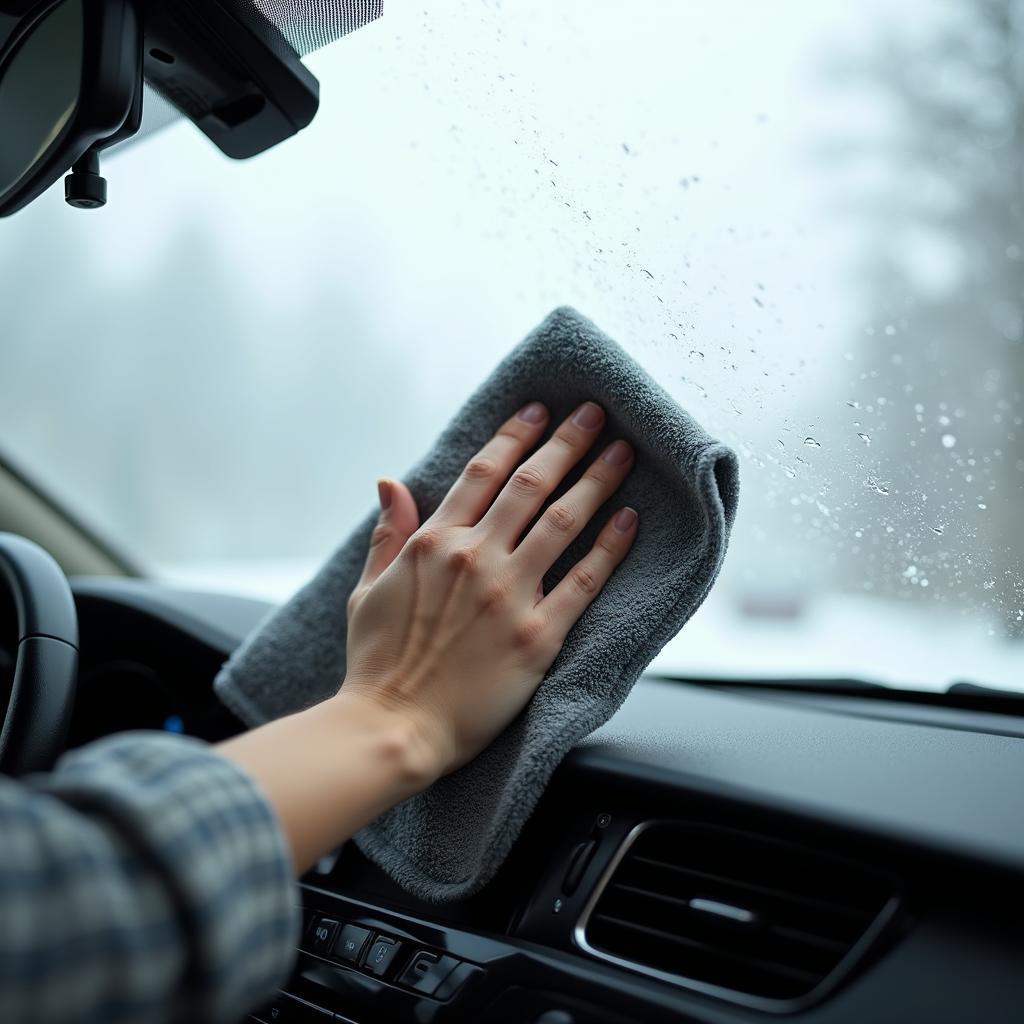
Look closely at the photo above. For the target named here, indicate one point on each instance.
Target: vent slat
(790, 935)
(789, 915)
(674, 957)
(752, 941)
(819, 941)
(770, 902)
(790, 897)
(779, 970)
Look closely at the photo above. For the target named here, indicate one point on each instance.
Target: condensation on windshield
(804, 219)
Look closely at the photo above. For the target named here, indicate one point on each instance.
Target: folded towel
(445, 843)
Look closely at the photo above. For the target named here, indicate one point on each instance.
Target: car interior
(805, 809)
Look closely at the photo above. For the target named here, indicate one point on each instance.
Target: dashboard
(716, 855)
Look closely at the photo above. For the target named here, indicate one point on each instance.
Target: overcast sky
(663, 167)
(468, 169)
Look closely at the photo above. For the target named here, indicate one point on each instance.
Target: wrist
(402, 744)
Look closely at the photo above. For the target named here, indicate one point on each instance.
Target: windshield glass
(804, 219)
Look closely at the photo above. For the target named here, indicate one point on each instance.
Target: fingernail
(588, 416)
(532, 413)
(624, 520)
(384, 492)
(617, 453)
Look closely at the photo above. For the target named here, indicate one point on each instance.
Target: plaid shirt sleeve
(146, 879)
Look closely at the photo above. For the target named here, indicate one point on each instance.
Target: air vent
(739, 915)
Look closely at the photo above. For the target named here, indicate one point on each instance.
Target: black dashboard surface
(934, 806)
(953, 790)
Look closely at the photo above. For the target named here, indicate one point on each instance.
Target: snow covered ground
(834, 635)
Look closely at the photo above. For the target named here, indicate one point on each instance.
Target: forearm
(333, 768)
(145, 879)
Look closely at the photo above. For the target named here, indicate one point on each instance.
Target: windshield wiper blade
(826, 684)
(964, 695)
(967, 688)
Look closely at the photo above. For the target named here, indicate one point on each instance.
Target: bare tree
(944, 275)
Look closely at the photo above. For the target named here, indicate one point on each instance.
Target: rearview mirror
(70, 84)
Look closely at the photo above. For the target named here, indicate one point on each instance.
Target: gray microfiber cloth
(445, 843)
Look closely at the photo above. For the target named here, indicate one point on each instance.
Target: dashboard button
(273, 1013)
(426, 971)
(351, 943)
(288, 1009)
(454, 982)
(321, 935)
(382, 954)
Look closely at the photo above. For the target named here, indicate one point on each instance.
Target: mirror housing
(71, 84)
(93, 48)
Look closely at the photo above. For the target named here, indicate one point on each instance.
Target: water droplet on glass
(864, 437)
(811, 443)
(944, 421)
(697, 353)
(910, 571)
(982, 504)
(938, 530)
(989, 584)
(789, 471)
(948, 440)
(780, 442)
(853, 405)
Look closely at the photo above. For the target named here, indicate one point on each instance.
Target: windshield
(804, 219)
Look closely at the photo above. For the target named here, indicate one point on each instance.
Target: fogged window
(803, 218)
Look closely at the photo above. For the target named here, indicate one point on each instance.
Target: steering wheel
(42, 695)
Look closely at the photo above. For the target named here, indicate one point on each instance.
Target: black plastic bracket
(229, 71)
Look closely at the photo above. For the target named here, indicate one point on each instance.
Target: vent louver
(740, 915)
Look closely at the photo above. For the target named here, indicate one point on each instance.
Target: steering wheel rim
(42, 698)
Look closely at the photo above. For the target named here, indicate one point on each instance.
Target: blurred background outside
(804, 219)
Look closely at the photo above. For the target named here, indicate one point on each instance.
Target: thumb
(397, 522)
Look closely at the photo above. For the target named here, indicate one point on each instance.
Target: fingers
(567, 602)
(398, 521)
(563, 520)
(522, 497)
(472, 494)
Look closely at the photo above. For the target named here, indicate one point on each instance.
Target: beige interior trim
(25, 511)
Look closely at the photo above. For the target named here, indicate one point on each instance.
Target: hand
(449, 631)
(449, 625)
